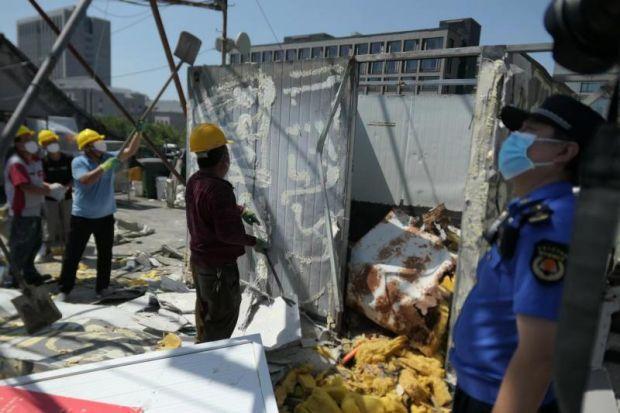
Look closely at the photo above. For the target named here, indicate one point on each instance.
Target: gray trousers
(24, 242)
(57, 222)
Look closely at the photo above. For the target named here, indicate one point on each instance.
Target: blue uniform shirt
(94, 200)
(528, 283)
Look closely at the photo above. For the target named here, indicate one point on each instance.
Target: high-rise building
(91, 39)
(375, 75)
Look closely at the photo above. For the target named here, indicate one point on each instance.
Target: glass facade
(331, 51)
(345, 50)
(376, 47)
(304, 53)
(317, 52)
(394, 46)
(291, 54)
(361, 48)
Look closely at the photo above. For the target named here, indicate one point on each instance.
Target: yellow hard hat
(87, 136)
(205, 137)
(47, 136)
(24, 131)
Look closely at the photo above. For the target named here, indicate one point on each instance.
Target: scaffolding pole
(19, 114)
(164, 41)
(105, 90)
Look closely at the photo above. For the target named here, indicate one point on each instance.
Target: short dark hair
(214, 157)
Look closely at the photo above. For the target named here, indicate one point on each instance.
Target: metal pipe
(164, 41)
(224, 5)
(43, 73)
(107, 91)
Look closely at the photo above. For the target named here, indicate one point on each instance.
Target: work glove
(261, 245)
(57, 191)
(249, 217)
(111, 163)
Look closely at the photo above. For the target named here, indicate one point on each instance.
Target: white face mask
(100, 146)
(53, 148)
(31, 147)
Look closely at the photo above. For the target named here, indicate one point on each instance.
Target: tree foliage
(159, 133)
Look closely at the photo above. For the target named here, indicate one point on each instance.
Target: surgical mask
(100, 146)
(31, 147)
(513, 158)
(53, 148)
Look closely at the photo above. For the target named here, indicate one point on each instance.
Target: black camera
(586, 34)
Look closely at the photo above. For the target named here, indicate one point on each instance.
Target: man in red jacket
(217, 235)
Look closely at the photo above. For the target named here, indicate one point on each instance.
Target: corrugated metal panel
(412, 149)
(275, 113)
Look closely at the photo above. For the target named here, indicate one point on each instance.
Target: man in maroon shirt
(217, 235)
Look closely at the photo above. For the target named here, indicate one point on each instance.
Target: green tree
(159, 133)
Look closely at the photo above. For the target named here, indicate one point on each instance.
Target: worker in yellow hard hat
(93, 207)
(217, 235)
(25, 190)
(57, 212)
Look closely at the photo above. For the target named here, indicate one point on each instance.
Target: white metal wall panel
(275, 113)
(412, 150)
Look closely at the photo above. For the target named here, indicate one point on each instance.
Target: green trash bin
(151, 169)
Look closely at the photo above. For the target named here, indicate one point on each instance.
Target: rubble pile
(388, 375)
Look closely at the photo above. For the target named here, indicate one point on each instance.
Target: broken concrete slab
(277, 323)
(173, 283)
(394, 275)
(182, 303)
(162, 320)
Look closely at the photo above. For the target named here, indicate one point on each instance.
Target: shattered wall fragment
(395, 274)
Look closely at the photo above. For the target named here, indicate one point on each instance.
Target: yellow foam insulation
(389, 375)
(169, 342)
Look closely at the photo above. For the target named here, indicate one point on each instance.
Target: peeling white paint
(294, 174)
(298, 74)
(331, 178)
(293, 131)
(326, 84)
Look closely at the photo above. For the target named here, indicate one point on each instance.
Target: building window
(245, 58)
(590, 87)
(304, 53)
(376, 47)
(391, 67)
(234, 58)
(450, 43)
(428, 88)
(394, 47)
(429, 65)
(267, 56)
(256, 57)
(410, 45)
(407, 88)
(290, 55)
(361, 48)
(411, 66)
(277, 55)
(331, 51)
(363, 68)
(345, 49)
(390, 88)
(376, 68)
(317, 52)
(432, 43)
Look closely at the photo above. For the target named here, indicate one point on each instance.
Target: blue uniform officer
(505, 334)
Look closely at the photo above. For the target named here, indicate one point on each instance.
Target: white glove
(57, 191)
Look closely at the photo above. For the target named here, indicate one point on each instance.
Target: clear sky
(136, 46)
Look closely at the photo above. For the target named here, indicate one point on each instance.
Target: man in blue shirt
(505, 334)
(93, 209)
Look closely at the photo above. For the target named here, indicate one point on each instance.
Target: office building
(89, 96)
(449, 34)
(594, 90)
(92, 39)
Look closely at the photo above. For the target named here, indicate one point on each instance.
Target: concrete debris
(173, 283)
(124, 231)
(179, 200)
(387, 375)
(162, 320)
(182, 303)
(395, 276)
(277, 323)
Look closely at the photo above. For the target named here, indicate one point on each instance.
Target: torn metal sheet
(221, 377)
(275, 113)
(277, 323)
(394, 275)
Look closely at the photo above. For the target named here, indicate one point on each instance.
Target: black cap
(578, 121)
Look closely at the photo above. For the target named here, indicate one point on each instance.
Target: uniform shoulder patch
(549, 261)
